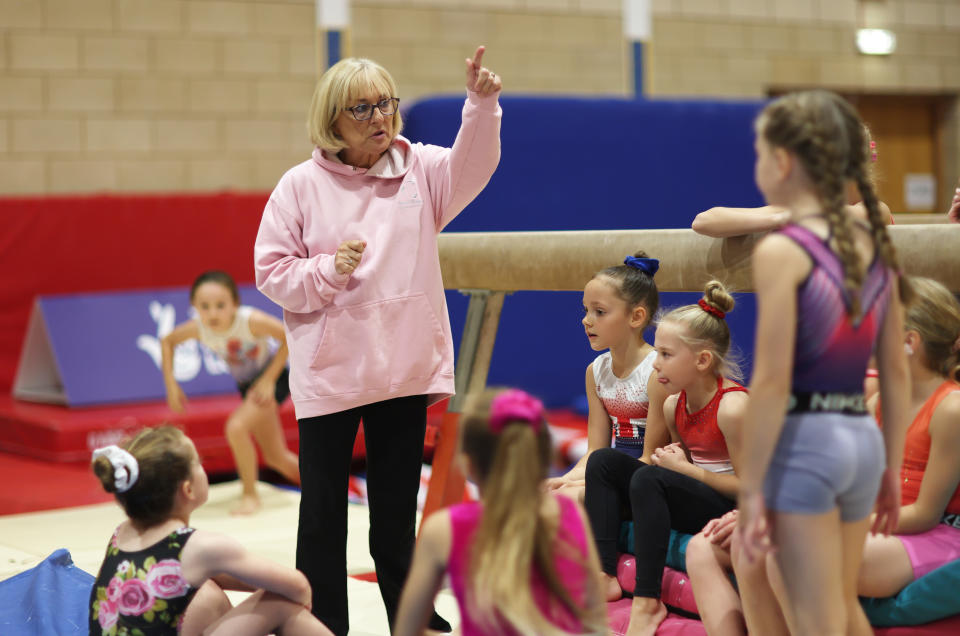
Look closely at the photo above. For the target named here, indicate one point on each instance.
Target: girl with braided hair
(814, 464)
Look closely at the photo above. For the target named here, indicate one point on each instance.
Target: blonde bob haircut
(349, 80)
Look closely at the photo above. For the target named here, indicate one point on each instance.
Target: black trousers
(658, 499)
(393, 430)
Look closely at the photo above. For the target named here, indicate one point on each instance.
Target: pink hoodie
(383, 331)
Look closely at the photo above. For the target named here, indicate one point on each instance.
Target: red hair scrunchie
(710, 309)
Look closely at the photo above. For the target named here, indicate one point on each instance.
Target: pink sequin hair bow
(515, 405)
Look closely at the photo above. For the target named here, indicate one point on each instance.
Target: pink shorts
(931, 549)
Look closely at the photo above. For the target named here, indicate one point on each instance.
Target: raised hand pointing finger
(481, 80)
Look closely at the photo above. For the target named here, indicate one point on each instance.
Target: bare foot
(611, 588)
(646, 614)
(248, 505)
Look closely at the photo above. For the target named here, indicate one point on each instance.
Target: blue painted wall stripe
(333, 47)
(638, 89)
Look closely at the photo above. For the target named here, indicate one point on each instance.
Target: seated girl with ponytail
(161, 576)
(687, 483)
(521, 560)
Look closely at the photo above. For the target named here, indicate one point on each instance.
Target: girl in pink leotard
(521, 561)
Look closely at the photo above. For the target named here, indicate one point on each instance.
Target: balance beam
(565, 261)
(488, 265)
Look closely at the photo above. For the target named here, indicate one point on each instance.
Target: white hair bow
(125, 467)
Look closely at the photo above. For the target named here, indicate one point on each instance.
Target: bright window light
(876, 41)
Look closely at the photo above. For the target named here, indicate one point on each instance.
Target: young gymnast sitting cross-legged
(686, 483)
(828, 296)
(161, 576)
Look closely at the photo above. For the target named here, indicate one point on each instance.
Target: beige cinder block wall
(174, 95)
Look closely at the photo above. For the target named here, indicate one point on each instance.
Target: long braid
(859, 172)
(825, 134)
(822, 168)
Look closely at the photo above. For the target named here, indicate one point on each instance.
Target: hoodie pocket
(377, 345)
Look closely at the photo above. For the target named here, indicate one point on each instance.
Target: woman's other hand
(348, 256)
(480, 79)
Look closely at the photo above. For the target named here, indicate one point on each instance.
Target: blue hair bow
(646, 265)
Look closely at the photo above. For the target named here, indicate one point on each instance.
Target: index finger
(356, 245)
(478, 56)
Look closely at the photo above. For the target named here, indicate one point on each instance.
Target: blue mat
(50, 598)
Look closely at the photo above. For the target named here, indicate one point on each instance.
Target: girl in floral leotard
(160, 576)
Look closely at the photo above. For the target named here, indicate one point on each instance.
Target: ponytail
(705, 327)
(514, 537)
(163, 460)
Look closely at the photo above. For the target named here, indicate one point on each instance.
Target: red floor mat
(34, 484)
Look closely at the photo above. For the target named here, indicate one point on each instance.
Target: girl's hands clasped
(480, 79)
(720, 530)
(672, 457)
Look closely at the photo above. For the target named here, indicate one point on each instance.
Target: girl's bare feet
(646, 614)
(611, 588)
(249, 504)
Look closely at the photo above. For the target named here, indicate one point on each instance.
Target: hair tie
(873, 150)
(125, 466)
(956, 345)
(645, 265)
(710, 309)
(515, 405)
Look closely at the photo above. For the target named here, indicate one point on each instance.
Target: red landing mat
(33, 484)
(45, 450)
(60, 434)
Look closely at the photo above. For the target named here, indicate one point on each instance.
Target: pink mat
(677, 592)
(618, 614)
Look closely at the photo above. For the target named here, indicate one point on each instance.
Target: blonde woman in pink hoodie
(348, 247)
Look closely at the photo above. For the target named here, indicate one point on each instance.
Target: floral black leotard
(142, 592)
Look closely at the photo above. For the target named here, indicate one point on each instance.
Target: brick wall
(122, 95)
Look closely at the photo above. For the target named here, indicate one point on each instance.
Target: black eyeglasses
(363, 112)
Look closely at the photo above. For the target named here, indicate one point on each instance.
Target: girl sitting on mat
(521, 560)
(928, 530)
(240, 335)
(618, 303)
(160, 576)
(828, 295)
(688, 482)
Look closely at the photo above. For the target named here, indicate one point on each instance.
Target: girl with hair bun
(161, 576)
(619, 303)
(521, 560)
(828, 296)
(688, 482)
